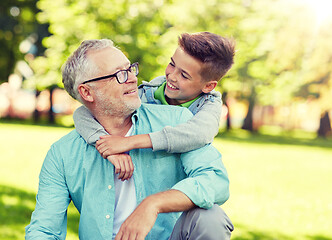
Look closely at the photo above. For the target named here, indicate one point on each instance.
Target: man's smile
(131, 91)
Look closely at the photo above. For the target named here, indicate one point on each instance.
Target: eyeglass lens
(122, 76)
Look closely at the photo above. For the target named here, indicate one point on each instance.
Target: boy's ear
(85, 92)
(209, 86)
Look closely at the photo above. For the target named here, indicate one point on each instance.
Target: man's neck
(115, 125)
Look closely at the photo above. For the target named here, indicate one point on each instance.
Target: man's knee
(206, 224)
(214, 221)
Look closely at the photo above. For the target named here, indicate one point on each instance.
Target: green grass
(280, 183)
(280, 186)
(22, 151)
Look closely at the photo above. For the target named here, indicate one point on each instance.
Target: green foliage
(282, 54)
(146, 31)
(136, 27)
(17, 25)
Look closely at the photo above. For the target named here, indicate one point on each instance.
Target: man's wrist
(152, 203)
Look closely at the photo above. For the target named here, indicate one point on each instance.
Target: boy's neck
(182, 104)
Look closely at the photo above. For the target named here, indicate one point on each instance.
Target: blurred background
(275, 133)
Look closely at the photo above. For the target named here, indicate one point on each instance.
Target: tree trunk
(324, 125)
(228, 118)
(248, 123)
(51, 117)
(36, 113)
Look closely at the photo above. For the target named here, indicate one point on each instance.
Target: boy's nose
(172, 76)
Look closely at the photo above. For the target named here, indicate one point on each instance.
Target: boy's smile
(171, 86)
(183, 78)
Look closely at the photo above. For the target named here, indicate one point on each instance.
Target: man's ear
(209, 86)
(85, 92)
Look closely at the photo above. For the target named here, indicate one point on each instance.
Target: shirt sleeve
(207, 182)
(49, 219)
(195, 133)
(87, 126)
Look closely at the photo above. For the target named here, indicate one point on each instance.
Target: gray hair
(79, 68)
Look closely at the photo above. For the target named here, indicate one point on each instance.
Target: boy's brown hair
(215, 52)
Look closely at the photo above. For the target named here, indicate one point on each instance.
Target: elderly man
(148, 205)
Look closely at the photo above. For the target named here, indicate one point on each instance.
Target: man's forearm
(170, 201)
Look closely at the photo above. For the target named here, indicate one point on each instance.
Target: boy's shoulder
(156, 82)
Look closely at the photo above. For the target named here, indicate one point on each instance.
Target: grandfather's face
(110, 96)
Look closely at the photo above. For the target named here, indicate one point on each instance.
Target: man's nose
(131, 78)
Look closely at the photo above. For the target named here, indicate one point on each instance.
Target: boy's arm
(197, 132)
(87, 126)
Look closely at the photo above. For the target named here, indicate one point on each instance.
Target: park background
(275, 132)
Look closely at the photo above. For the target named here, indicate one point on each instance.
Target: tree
(271, 64)
(18, 23)
(134, 26)
(317, 74)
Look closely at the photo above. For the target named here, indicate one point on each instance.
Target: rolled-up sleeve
(207, 182)
(49, 220)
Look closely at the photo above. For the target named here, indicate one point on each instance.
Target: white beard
(113, 107)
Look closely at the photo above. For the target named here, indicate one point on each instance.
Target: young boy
(197, 65)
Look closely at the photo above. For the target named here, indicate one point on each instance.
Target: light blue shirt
(75, 171)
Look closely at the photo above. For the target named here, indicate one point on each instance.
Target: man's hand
(111, 144)
(123, 165)
(139, 223)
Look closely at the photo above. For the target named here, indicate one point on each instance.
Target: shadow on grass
(283, 138)
(267, 236)
(318, 237)
(248, 234)
(16, 206)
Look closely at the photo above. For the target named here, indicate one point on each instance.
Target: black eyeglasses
(121, 76)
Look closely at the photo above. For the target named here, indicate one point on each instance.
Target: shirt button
(107, 216)
(109, 186)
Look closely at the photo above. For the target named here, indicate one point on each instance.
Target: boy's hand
(123, 165)
(110, 144)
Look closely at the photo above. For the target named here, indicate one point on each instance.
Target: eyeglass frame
(115, 75)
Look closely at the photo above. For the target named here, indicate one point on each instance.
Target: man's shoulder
(165, 112)
(164, 108)
(73, 137)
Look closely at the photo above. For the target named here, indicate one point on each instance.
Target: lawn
(280, 185)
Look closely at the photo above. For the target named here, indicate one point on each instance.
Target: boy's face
(183, 79)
